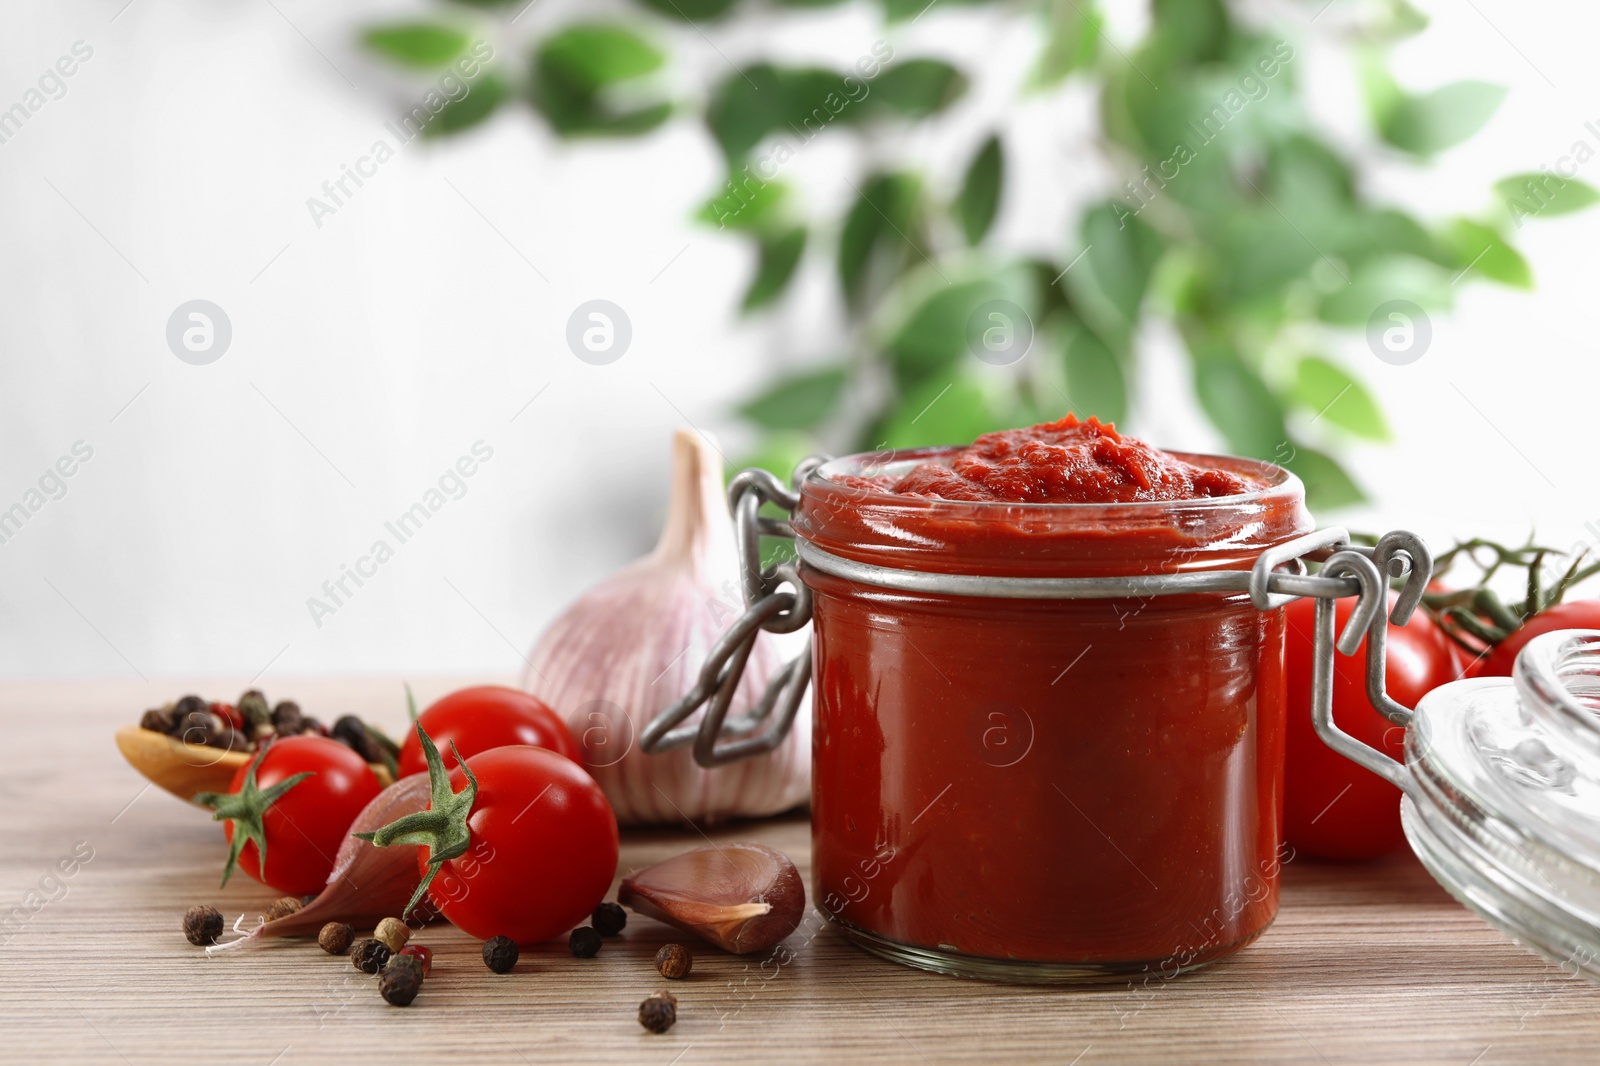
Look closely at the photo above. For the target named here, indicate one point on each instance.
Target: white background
(368, 354)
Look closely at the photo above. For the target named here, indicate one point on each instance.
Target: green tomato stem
(442, 828)
(245, 809)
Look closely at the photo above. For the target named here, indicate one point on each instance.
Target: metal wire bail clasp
(777, 601)
(1397, 554)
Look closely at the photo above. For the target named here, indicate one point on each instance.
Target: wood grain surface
(1365, 964)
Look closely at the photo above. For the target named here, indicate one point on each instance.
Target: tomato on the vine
(1498, 660)
(1333, 808)
(477, 719)
(293, 804)
(518, 842)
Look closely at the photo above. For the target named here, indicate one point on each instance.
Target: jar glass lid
(1503, 803)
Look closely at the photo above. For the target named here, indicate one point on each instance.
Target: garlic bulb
(631, 646)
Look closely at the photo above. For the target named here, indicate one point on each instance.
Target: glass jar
(1043, 789)
(1502, 796)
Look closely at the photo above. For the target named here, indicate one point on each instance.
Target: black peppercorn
(196, 727)
(369, 955)
(287, 720)
(350, 732)
(202, 925)
(158, 720)
(608, 919)
(500, 954)
(230, 739)
(400, 984)
(658, 1012)
(257, 715)
(674, 961)
(584, 942)
(190, 705)
(335, 938)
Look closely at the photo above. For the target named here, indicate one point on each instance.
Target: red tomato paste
(1047, 789)
(1064, 462)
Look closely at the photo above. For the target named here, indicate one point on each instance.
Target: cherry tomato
(1577, 614)
(1333, 808)
(305, 824)
(543, 848)
(488, 716)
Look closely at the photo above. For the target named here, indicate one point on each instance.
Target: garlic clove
(741, 897)
(368, 883)
(627, 649)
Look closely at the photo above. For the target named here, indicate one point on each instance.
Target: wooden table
(1366, 964)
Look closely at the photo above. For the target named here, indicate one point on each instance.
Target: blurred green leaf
(1048, 296)
(691, 10)
(1095, 382)
(1381, 281)
(798, 401)
(1301, 165)
(592, 55)
(880, 233)
(1263, 258)
(575, 68)
(484, 94)
(744, 107)
(899, 10)
(799, 102)
(1431, 122)
(1479, 248)
(943, 410)
(1109, 282)
(416, 44)
(1324, 388)
(934, 334)
(1238, 403)
(979, 198)
(1398, 19)
(1190, 31)
(1374, 234)
(1544, 194)
(745, 202)
(1072, 42)
(1328, 485)
(779, 451)
(1383, 94)
(777, 258)
(916, 88)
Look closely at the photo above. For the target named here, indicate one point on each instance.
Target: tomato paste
(1063, 462)
(1047, 789)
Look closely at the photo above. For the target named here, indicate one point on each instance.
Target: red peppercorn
(423, 954)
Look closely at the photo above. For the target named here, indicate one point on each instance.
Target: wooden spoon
(186, 769)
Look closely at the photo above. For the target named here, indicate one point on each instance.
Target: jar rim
(1276, 482)
(1546, 673)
